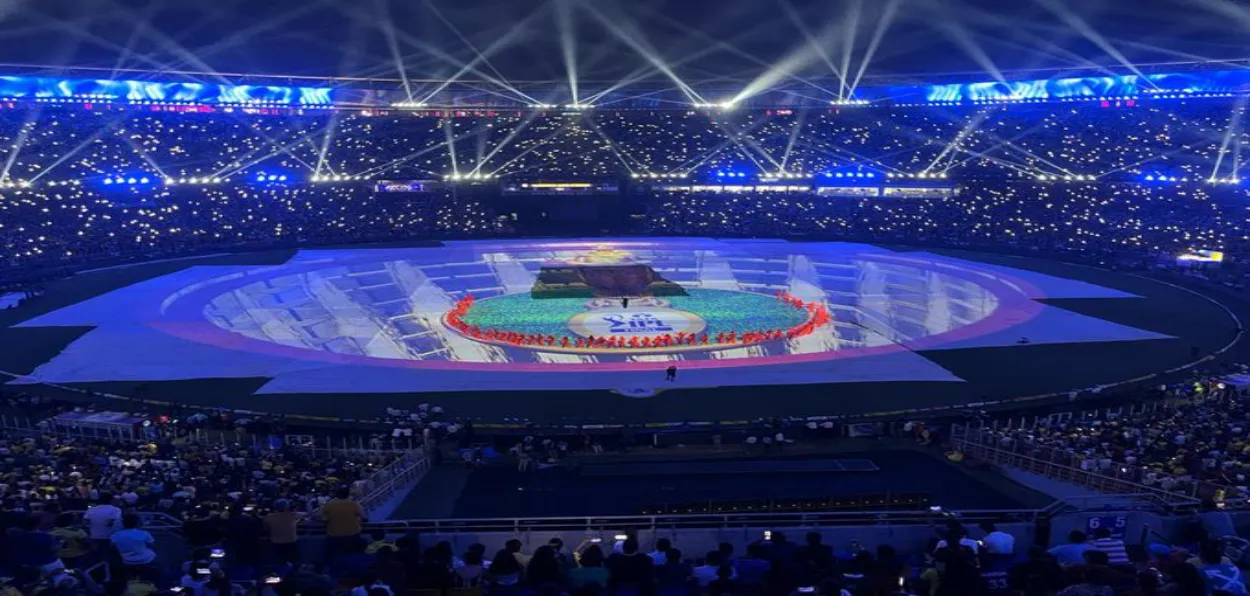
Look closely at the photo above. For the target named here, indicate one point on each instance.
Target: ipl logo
(642, 322)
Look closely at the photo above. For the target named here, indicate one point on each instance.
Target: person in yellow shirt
(71, 537)
(344, 520)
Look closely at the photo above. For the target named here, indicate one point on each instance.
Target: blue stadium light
(131, 181)
(108, 180)
(282, 178)
(144, 180)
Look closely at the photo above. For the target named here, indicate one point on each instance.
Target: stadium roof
(1182, 80)
(694, 42)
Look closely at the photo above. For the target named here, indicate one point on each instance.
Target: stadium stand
(106, 515)
(68, 210)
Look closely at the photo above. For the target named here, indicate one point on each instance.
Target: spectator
(73, 540)
(1040, 570)
(390, 571)
(855, 573)
(243, 534)
(724, 584)
(282, 528)
(710, 569)
(557, 546)
(513, 546)
(1096, 581)
(1114, 547)
(1184, 579)
(955, 533)
(997, 542)
(1072, 553)
(134, 545)
(815, 554)
(1216, 523)
(203, 527)
(343, 518)
(477, 549)
(195, 578)
(103, 519)
(782, 550)
(544, 568)
(1220, 573)
(446, 556)
(752, 569)
(590, 570)
(630, 567)
(471, 572)
(660, 555)
(432, 573)
(957, 570)
(886, 571)
(310, 579)
(505, 568)
(674, 571)
(32, 550)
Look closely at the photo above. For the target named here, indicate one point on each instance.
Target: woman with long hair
(544, 568)
(504, 569)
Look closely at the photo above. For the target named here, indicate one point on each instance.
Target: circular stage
(587, 331)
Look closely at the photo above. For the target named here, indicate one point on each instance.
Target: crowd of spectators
(1181, 138)
(237, 505)
(181, 477)
(266, 557)
(1106, 218)
(1196, 442)
(68, 215)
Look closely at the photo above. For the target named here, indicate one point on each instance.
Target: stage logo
(640, 324)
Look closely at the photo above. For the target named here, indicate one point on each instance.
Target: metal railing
(1058, 464)
(398, 475)
(724, 521)
(317, 446)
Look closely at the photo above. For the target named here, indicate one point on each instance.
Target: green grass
(724, 311)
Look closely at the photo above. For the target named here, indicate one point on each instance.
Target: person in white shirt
(997, 542)
(103, 519)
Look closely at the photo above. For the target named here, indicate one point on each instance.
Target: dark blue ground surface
(733, 466)
(504, 492)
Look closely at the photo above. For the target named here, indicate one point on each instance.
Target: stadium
(872, 276)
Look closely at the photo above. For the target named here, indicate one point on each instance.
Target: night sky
(699, 40)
